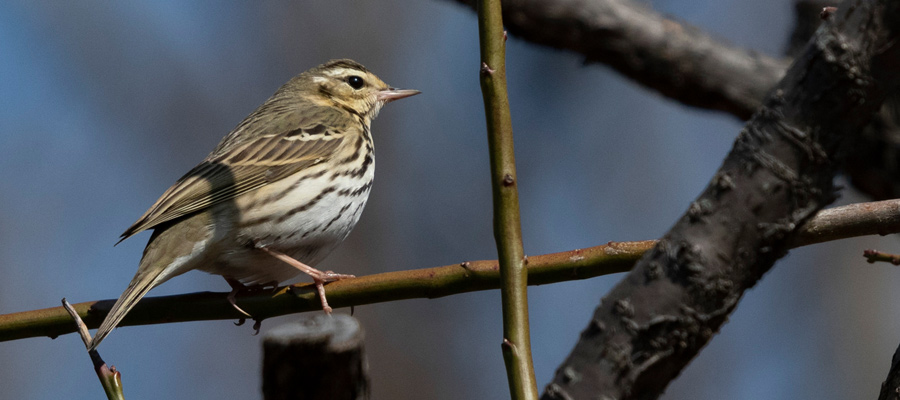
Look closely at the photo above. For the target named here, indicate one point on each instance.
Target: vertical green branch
(507, 228)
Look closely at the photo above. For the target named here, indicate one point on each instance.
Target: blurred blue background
(104, 105)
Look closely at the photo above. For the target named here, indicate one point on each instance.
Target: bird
(276, 195)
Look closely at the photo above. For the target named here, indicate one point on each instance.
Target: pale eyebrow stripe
(342, 71)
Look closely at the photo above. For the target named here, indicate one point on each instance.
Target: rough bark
(873, 162)
(684, 63)
(778, 174)
(676, 59)
(890, 388)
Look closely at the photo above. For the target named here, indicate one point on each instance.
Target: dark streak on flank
(306, 206)
(353, 193)
(291, 212)
(358, 172)
(337, 217)
(280, 195)
(359, 208)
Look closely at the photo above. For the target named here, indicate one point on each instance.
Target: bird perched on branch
(279, 193)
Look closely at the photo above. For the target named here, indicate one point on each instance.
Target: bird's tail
(142, 282)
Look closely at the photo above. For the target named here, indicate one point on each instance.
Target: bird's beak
(391, 94)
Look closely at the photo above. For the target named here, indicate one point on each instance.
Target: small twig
(110, 379)
(79, 324)
(873, 256)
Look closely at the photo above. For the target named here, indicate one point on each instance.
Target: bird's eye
(355, 82)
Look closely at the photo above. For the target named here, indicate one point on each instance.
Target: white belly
(305, 221)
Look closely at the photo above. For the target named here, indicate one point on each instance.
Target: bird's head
(349, 85)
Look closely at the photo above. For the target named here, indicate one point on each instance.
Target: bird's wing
(241, 166)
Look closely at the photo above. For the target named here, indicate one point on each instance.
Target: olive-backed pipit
(276, 195)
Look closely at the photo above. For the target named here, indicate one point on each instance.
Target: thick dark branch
(873, 162)
(890, 388)
(676, 59)
(683, 63)
(777, 176)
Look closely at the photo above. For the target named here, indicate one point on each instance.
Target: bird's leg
(320, 278)
(236, 286)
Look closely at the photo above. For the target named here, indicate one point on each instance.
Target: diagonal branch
(682, 62)
(876, 218)
(110, 379)
(678, 60)
(777, 176)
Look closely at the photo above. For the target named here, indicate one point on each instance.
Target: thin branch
(391, 286)
(779, 173)
(860, 219)
(110, 379)
(876, 218)
(80, 327)
(507, 227)
(874, 256)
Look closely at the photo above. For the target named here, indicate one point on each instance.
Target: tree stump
(319, 357)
